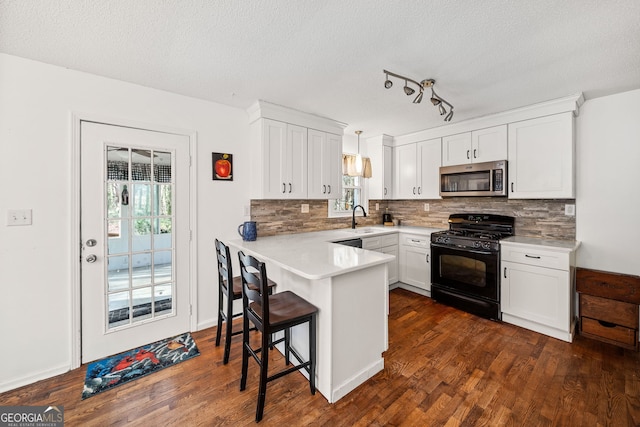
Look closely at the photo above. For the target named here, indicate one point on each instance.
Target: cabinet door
(295, 170)
(334, 166)
(541, 158)
(428, 155)
(316, 164)
(456, 149)
(489, 144)
(393, 265)
(414, 267)
(537, 294)
(274, 139)
(404, 185)
(387, 172)
(324, 165)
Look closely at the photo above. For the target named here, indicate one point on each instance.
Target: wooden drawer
(608, 310)
(621, 287)
(609, 332)
(531, 255)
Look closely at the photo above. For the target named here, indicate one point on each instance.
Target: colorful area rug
(124, 367)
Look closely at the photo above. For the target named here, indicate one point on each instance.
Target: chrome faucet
(353, 216)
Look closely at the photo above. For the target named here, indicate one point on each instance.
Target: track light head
(388, 84)
(443, 111)
(407, 89)
(418, 98)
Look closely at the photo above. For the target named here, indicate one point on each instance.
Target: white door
(135, 237)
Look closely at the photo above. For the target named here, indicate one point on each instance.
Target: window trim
(331, 213)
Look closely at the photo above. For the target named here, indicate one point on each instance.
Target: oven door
(469, 271)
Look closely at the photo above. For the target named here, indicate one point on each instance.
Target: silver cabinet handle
(531, 256)
(467, 154)
(284, 187)
(385, 191)
(474, 153)
(419, 190)
(324, 189)
(329, 186)
(91, 258)
(289, 187)
(414, 190)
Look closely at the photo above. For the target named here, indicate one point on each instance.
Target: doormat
(130, 365)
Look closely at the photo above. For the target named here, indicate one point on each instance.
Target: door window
(139, 194)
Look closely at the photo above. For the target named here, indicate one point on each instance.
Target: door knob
(91, 258)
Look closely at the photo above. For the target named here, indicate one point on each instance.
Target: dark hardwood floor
(444, 367)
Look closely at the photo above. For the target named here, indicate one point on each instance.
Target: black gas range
(465, 270)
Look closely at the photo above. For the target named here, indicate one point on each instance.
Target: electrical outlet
(304, 208)
(377, 206)
(570, 210)
(19, 217)
(426, 207)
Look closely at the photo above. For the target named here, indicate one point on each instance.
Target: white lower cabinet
(415, 264)
(386, 244)
(537, 289)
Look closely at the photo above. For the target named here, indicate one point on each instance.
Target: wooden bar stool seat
(226, 296)
(272, 313)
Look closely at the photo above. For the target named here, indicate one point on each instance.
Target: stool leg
(287, 341)
(219, 316)
(264, 369)
(312, 354)
(227, 338)
(245, 351)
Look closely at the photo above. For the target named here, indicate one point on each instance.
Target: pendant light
(358, 156)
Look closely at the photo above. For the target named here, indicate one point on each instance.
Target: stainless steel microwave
(474, 179)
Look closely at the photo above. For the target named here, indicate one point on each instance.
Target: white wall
(608, 183)
(35, 173)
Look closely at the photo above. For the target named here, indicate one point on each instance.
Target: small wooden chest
(609, 306)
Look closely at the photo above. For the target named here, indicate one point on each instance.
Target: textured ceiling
(326, 56)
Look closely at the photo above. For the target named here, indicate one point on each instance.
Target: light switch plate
(570, 210)
(426, 207)
(19, 217)
(304, 208)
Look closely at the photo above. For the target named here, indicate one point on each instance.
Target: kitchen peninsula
(350, 288)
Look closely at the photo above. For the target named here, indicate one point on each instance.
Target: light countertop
(566, 245)
(313, 255)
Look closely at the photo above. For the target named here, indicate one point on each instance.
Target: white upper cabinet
(294, 155)
(285, 160)
(542, 158)
(417, 170)
(381, 156)
(477, 146)
(324, 165)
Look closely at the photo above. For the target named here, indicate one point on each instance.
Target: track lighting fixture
(388, 83)
(435, 99)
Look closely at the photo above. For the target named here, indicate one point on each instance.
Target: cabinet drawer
(415, 240)
(614, 334)
(535, 256)
(388, 240)
(608, 310)
(371, 243)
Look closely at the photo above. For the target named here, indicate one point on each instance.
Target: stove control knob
(486, 245)
(447, 240)
(477, 244)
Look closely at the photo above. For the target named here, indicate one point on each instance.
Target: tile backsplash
(534, 218)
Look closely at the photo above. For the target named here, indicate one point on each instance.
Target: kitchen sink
(363, 230)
